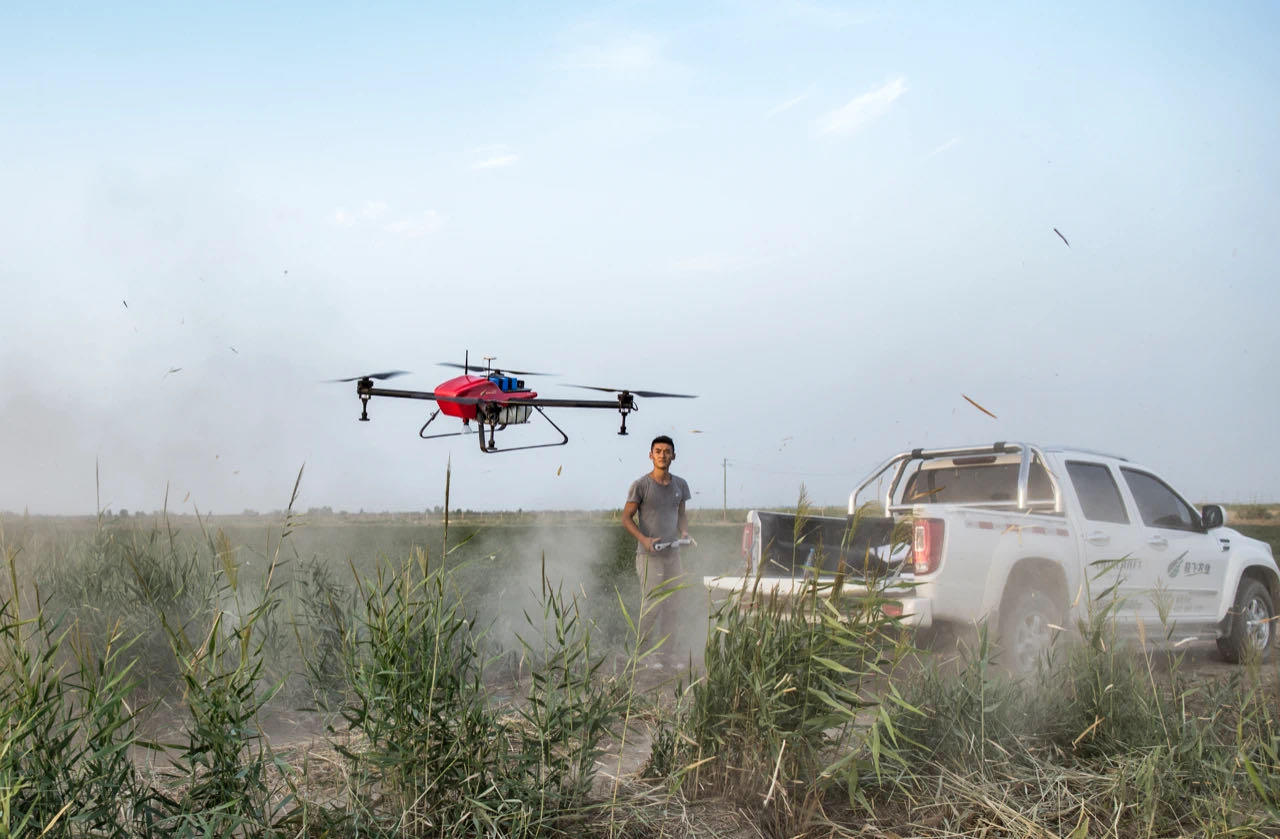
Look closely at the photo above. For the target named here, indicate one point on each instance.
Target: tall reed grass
(1108, 738)
(793, 702)
(811, 717)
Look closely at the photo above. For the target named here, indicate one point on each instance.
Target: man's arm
(629, 511)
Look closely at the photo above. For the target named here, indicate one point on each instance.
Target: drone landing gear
(625, 406)
(430, 420)
(362, 390)
(489, 447)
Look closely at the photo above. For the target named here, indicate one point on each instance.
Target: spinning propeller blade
(644, 393)
(479, 369)
(389, 374)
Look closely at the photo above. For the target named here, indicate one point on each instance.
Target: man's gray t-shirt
(659, 505)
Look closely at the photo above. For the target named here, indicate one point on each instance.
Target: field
(390, 675)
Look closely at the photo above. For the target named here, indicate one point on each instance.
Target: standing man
(659, 498)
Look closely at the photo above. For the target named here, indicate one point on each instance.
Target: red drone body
(455, 397)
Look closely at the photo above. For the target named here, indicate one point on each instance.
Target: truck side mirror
(1213, 515)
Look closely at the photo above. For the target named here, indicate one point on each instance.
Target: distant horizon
(702, 511)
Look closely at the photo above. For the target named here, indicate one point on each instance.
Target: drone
(495, 399)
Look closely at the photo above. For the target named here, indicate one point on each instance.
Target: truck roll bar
(903, 459)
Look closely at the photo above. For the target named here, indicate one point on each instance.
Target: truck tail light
(926, 545)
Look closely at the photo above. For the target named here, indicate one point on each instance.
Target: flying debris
(172, 370)
(126, 302)
(1060, 236)
(979, 407)
(234, 350)
(558, 468)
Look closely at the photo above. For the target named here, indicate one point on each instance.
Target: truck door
(1189, 562)
(1110, 544)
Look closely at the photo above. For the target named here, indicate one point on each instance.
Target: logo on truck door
(1192, 569)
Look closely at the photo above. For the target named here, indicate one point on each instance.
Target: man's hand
(648, 542)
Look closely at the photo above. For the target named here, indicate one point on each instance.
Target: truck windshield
(984, 483)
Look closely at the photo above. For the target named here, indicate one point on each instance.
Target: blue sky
(830, 221)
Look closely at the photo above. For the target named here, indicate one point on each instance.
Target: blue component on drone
(506, 384)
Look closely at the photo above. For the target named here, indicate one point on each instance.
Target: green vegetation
(1108, 741)
(789, 688)
(477, 687)
(1251, 512)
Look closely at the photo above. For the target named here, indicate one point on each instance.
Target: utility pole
(724, 465)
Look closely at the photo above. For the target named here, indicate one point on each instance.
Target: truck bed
(822, 543)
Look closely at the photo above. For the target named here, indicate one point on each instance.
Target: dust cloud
(587, 565)
(575, 562)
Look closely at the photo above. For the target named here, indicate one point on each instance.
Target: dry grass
(830, 725)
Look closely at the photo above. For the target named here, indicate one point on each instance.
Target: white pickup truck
(1025, 537)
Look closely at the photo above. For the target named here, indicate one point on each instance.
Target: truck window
(1159, 505)
(1099, 496)
(976, 484)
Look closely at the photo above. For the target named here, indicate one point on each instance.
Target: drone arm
(624, 401)
(365, 390)
(624, 404)
(572, 403)
(399, 394)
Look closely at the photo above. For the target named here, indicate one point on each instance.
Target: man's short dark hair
(662, 438)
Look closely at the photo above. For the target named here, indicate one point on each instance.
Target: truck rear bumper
(902, 602)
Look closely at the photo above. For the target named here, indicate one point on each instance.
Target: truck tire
(1251, 633)
(1025, 628)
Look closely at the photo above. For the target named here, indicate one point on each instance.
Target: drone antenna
(488, 363)
(466, 362)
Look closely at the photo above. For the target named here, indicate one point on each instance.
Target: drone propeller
(389, 374)
(648, 394)
(479, 369)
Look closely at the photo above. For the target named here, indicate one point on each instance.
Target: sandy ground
(299, 732)
(306, 741)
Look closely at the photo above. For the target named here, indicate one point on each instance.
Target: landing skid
(432, 419)
(491, 448)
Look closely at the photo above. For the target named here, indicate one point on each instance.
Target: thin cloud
(940, 149)
(827, 17)
(496, 162)
(493, 157)
(788, 105)
(373, 215)
(373, 210)
(862, 110)
(712, 263)
(637, 54)
(417, 226)
(369, 211)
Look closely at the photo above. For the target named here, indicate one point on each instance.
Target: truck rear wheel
(1252, 631)
(1027, 628)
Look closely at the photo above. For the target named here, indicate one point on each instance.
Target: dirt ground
(306, 741)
